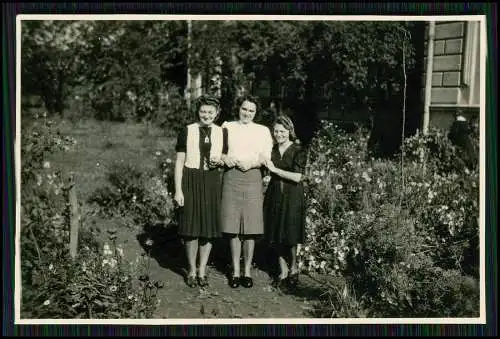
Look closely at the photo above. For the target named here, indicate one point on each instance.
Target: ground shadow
(265, 258)
(220, 257)
(166, 247)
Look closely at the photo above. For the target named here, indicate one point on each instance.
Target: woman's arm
(293, 176)
(179, 165)
(298, 167)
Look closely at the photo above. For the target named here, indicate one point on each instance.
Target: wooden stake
(74, 217)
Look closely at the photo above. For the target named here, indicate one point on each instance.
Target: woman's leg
(293, 277)
(235, 245)
(192, 253)
(205, 248)
(248, 250)
(293, 259)
(282, 256)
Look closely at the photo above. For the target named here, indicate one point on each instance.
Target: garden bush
(389, 228)
(143, 195)
(98, 283)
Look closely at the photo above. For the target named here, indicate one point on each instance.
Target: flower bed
(404, 234)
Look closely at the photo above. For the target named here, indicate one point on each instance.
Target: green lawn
(101, 144)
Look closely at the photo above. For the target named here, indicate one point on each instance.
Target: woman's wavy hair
(286, 122)
(251, 98)
(207, 100)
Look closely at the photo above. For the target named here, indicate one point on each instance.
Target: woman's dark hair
(251, 98)
(207, 100)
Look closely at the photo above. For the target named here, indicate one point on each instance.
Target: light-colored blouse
(246, 142)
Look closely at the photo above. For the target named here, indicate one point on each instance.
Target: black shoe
(293, 279)
(247, 282)
(202, 281)
(234, 282)
(191, 281)
(279, 282)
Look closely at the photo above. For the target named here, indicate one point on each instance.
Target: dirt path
(177, 300)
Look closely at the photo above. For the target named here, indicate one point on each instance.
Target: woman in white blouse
(247, 146)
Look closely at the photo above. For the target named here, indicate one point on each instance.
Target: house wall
(455, 71)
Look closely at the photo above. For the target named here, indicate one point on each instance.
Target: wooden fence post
(73, 217)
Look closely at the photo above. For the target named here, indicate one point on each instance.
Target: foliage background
(136, 70)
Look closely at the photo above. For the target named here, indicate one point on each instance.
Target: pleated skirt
(200, 215)
(242, 202)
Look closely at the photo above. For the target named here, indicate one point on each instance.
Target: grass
(101, 144)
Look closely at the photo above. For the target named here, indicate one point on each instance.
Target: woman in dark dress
(284, 204)
(198, 187)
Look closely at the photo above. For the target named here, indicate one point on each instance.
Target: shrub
(142, 194)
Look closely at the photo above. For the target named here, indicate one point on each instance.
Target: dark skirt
(200, 215)
(284, 213)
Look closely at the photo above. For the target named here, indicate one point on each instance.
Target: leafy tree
(51, 58)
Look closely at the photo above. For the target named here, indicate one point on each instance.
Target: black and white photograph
(247, 169)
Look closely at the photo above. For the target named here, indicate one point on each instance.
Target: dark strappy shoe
(247, 282)
(279, 282)
(202, 281)
(191, 281)
(234, 282)
(293, 279)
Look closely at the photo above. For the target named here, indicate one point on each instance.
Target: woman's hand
(243, 166)
(179, 198)
(229, 161)
(262, 159)
(270, 166)
(215, 161)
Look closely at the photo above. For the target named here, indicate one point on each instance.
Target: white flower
(51, 267)
(46, 302)
(98, 164)
(120, 251)
(338, 187)
(46, 164)
(106, 247)
(313, 211)
(317, 180)
(168, 160)
(158, 153)
(113, 263)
